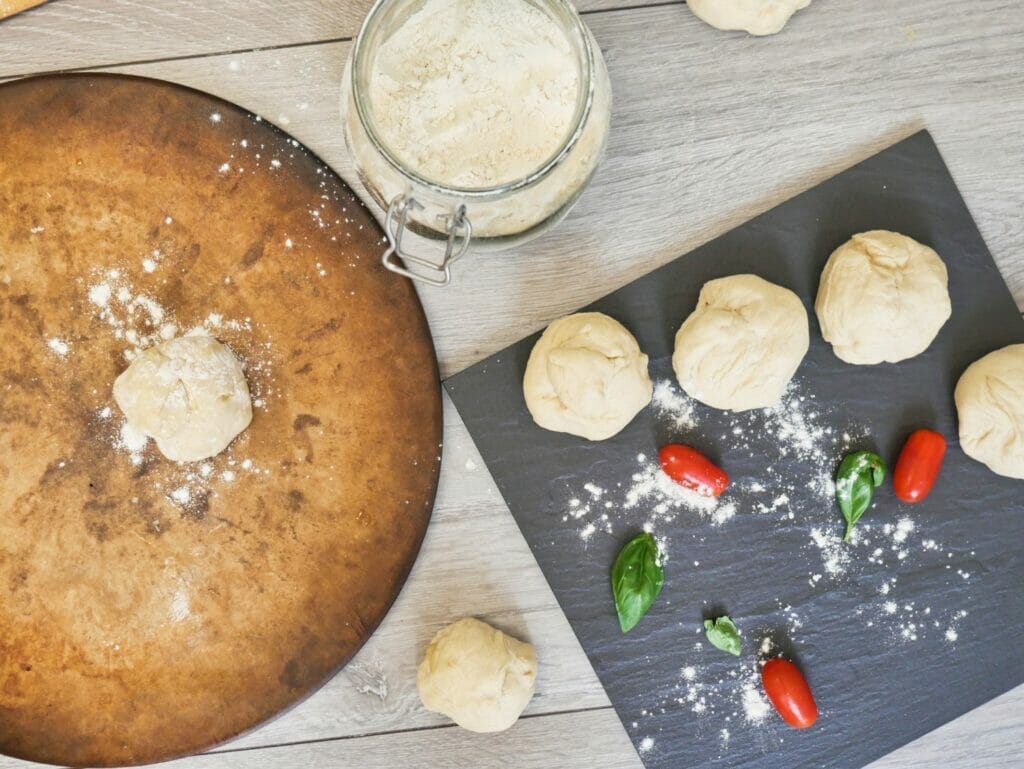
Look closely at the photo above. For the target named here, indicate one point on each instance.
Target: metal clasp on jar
(460, 232)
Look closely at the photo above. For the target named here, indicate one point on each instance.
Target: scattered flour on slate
(795, 422)
(673, 406)
(875, 553)
(728, 694)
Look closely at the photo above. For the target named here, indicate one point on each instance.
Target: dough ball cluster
(189, 394)
(883, 298)
(476, 675)
(990, 409)
(758, 17)
(741, 346)
(586, 376)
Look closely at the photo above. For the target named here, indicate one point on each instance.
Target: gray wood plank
(989, 737)
(581, 740)
(591, 739)
(709, 129)
(69, 34)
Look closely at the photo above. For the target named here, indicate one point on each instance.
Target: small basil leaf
(637, 578)
(723, 634)
(858, 476)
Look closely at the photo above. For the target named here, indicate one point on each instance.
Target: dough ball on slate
(741, 346)
(990, 408)
(586, 376)
(476, 675)
(758, 17)
(188, 394)
(883, 297)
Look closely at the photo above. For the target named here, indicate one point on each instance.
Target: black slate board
(876, 691)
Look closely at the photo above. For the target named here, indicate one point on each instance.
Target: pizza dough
(990, 408)
(883, 297)
(188, 394)
(741, 346)
(758, 17)
(586, 376)
(476, 675)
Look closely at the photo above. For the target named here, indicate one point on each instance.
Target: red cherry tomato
(918, 465)
(789, 693)
(689, 468)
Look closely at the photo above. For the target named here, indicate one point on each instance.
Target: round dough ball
(586, 376)
(476, 675)
(883, 297)
(741, 346)
(188, 394)
(990, 408)
(758, 17)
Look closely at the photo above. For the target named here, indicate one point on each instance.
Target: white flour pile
(474, 94)
(673, 406)
(131, 315)
(58, 347)
(650, 492)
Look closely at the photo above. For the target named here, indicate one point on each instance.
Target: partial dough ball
(188, 394)
(476, 675)
(883, 297)
(741, 346)
(586, 376)
(990, 408)
(758, 17)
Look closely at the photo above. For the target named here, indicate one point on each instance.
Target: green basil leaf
(637, 578)
(723, 634)
(858, 476)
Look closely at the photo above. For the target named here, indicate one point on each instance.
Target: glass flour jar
(473, 123)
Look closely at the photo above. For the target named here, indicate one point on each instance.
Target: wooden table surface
(709, 129)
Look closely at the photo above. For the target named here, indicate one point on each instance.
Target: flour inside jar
(474, 93)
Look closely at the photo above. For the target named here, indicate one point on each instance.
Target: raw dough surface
(758, 17)
(741, 346)
(883, 297)
(586, 376)
(188, 394)
(990, 408)
(476, 675)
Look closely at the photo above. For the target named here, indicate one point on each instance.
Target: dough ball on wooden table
(990, 409)
(741, 346)
(758, 17)
(883, 297)
(188, 394)
(476, 675)
(586, 376)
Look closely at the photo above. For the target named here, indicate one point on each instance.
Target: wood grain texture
(708, 129)
(989, 737)
(73, 34)
(580, 740)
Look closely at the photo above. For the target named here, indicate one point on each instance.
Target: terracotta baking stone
(134, 628)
